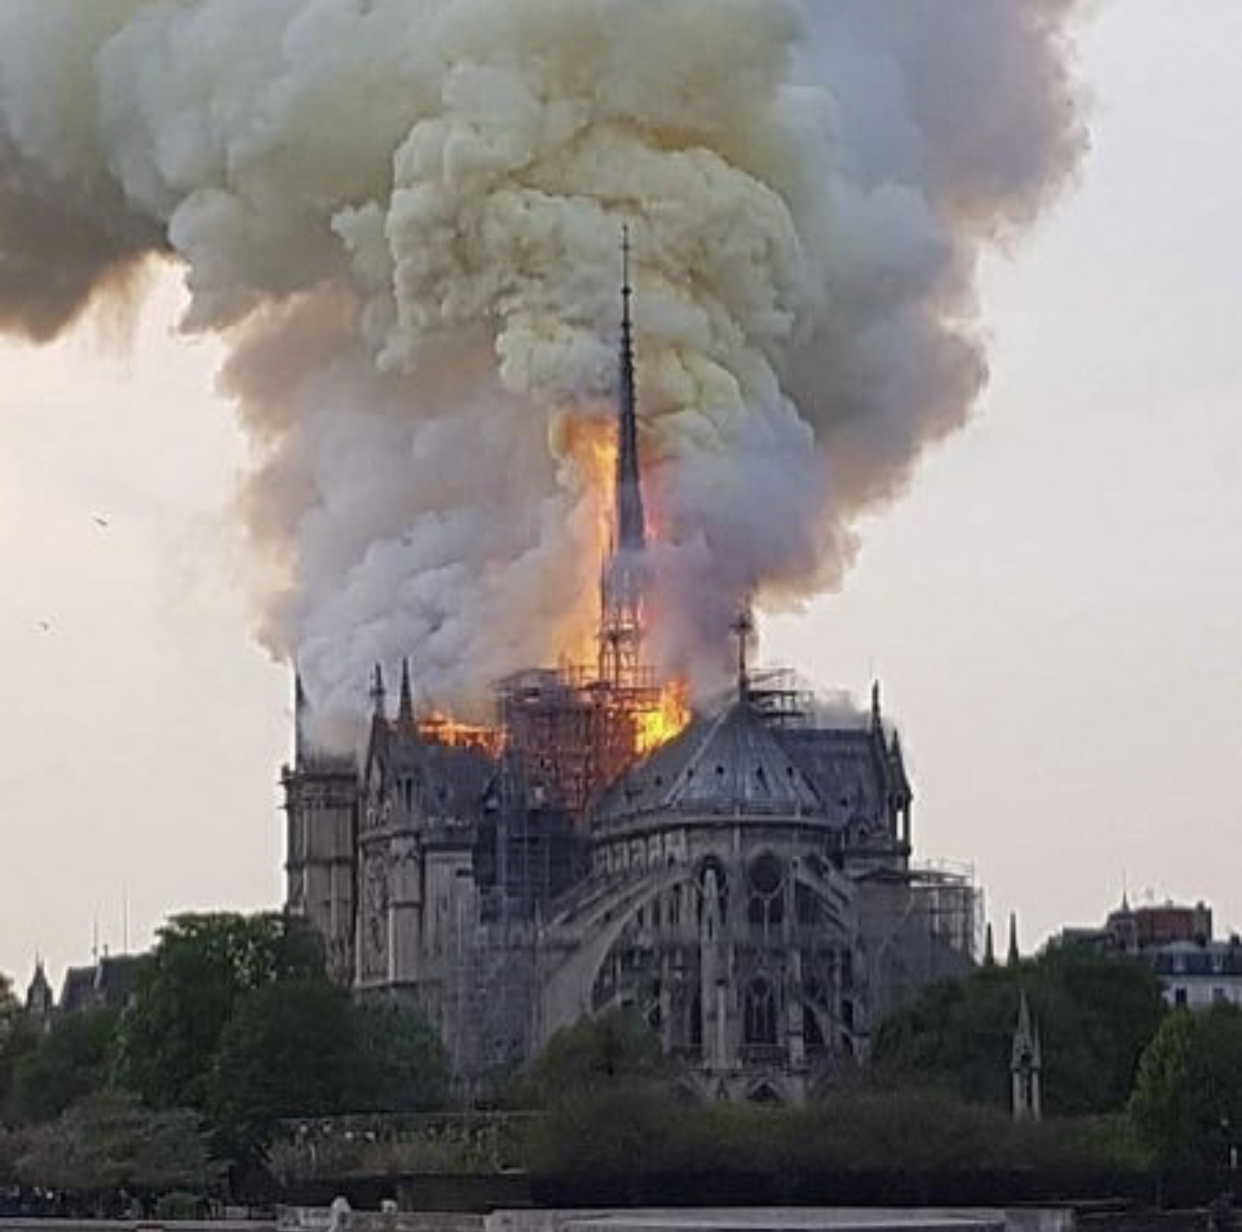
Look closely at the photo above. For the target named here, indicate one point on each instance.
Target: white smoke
(405, 214)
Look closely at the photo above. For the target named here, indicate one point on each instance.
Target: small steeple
(405, 714)
(989, 947)
(39, 999)
(1025, 1066)
(876, 721)
(1014, 956)
(379, 698)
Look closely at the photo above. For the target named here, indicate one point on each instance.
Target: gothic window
(696, 1023)
(764, 1094)
(766, 904)
(760, 1018)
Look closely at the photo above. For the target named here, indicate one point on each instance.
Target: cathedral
(741, 877)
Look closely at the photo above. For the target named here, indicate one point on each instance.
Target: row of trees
(1171, 1080)
(233, 1025)
(1129, 1088)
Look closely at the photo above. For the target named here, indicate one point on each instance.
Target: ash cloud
(403, 215)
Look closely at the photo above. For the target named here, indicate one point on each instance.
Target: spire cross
(743, 628)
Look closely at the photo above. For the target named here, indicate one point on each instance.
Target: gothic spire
(631, 520)
(378, 695)
(299, 720)
(405, 713)
(1014, 956)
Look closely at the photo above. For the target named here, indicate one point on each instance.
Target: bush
(627, 1132)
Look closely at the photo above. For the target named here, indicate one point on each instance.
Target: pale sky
(1053, 607)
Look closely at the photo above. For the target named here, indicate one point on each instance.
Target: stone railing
(470, 1144)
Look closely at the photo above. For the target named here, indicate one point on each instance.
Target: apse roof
(730, 763)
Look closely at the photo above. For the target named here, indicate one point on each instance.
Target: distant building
(1135, 930)
(106, 984)
(1175, 940)
(1199, 976)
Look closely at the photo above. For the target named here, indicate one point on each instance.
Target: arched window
(696, 1023)
(766, 905)
(760, 1018)
(765, 1093)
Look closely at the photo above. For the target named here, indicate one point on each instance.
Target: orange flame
(656, 726)
(586, 447)
(643, 718)
(439, 728)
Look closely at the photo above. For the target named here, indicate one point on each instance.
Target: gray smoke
(403, 215)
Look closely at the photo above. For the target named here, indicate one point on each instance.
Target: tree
(1187, 1102)
(185, 996)
(110, 1140)
(71, 1061)
(617, 1048)
(398, 1063)
(1095, 1016)
(286, 1051)
(17, 1038)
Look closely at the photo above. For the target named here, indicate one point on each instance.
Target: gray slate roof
(731, 763)
(450, 783)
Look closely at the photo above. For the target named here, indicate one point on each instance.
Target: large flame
(651, 713)
(656, 726)
(440, 728)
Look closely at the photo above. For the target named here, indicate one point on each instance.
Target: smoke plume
(404, 217)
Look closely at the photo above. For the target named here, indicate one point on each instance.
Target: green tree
(1187, 1102)
(1095, 1016)
(614, 1049)
(71, 1061)
(287, 1051)
(186, 994)
(110, 1140)
(17, 1038)
(398, 1063)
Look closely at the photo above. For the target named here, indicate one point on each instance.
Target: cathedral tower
(321, 793)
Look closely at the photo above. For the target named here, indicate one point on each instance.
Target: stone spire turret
(300, 749)
(1025, 1066)
(379, 697)
(406, 723)
(1015, 955)
(40, 1002)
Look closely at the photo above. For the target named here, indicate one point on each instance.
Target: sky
(1052, 607)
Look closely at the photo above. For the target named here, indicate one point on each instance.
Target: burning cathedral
(740, 874)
